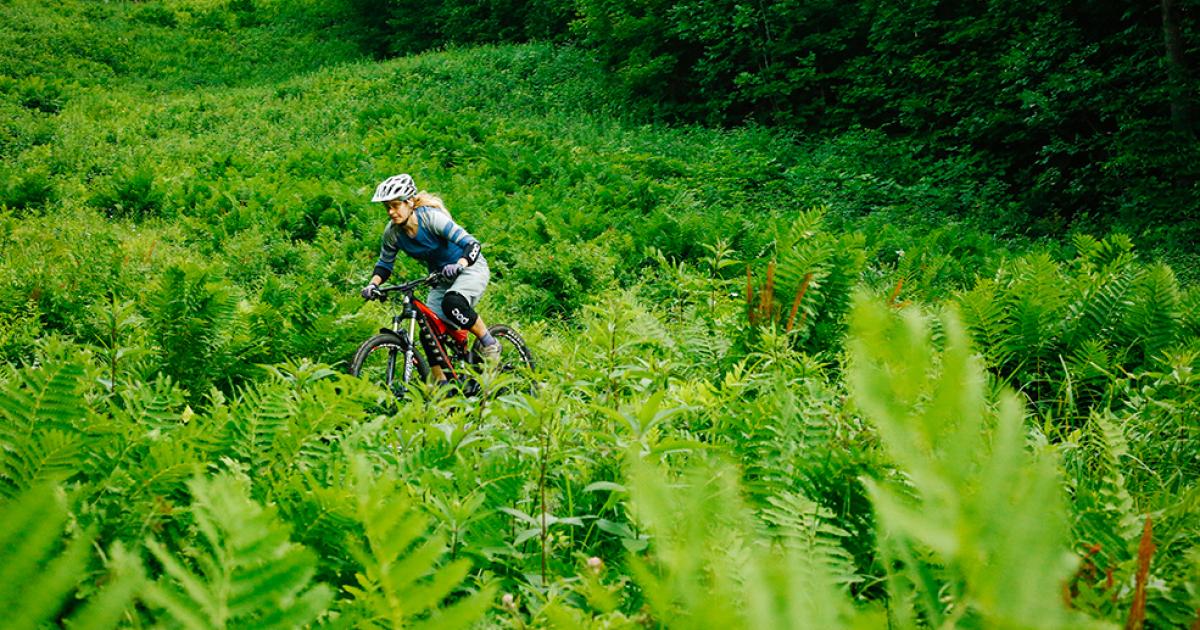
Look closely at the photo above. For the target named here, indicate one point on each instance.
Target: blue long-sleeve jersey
(439, 242)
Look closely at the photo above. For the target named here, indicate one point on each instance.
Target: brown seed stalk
(896, 292)
(766, 304)
(796, 302)
(1137, 614)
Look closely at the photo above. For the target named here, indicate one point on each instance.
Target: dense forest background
(1059, 113)
(846, 315)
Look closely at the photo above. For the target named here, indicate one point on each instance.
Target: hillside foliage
(779, 385)
(1058, 113)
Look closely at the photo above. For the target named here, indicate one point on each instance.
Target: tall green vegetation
(1075, 111)
(1067, 113)
(400, 27)
(779, 387)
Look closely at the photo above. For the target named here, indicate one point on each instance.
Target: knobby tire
(389, 367)
(522, 360)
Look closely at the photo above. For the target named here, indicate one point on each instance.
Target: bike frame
(419, 314)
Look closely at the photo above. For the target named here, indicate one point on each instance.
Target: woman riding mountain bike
(421, 226)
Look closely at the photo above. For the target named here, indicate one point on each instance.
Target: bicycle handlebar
(407, 287)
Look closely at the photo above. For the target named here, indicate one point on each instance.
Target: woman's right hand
(370, 292)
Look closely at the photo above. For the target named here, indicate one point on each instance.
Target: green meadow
(784, 379)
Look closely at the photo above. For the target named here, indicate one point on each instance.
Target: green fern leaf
(1101, 307)
(984, 313)
(988, 511)
(806, 528)
(1154, 318)
(41, 410)
(257, 418)
(1116, 249)
(189, 317)
(1034, 301)
(125, 579)
(321, 512)
(154, 405)
(1090, 360)
(48, 396)
(39, 569)
(402, 583)
(49, 455)
(249, 574)
(708, 568)
(1087, 248)
(1190, 312)
(701, 347)
(166, 466)
(320, 409)
(1108, 450)
(35, 576)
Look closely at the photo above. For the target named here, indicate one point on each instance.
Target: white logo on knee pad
(462, 319)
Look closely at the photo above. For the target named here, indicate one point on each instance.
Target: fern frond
(40, 413)
(402, 582)
(709, 569)
(320, 410)
(811, 275)
(1190, 312)
(47, 396)
(163, 470)
(35, 574)
(249, 574)
(985, 509)
(321, 516)
(805, 224)
(39, 569)
(256, 419)
(46, 456)
(1087, 248)
(827, 311)
(154, 405)
(189, 316)
(1154, 317)
(699, 346)
(1034, 300)
(1115, 500)
(984, 313)
(1090, 359)
(213, 433)
(124, 580)
(1115, 249)
(140, 492)
(1101, 307)
(806, 528)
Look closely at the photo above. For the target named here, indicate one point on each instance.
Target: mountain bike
(391, 359)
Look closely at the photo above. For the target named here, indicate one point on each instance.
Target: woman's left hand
(451, 271)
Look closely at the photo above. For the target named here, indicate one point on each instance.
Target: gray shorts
(470, 282)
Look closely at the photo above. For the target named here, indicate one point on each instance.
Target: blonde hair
(426, 198)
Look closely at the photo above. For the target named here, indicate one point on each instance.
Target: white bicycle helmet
(396, 187)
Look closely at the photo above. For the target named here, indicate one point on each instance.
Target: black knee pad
(458, 311)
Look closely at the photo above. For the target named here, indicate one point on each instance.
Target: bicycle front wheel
(380, 360)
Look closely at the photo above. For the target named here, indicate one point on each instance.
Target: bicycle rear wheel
(514, 353)
(380, 360)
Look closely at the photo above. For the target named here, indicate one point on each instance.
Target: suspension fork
(407, 311)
